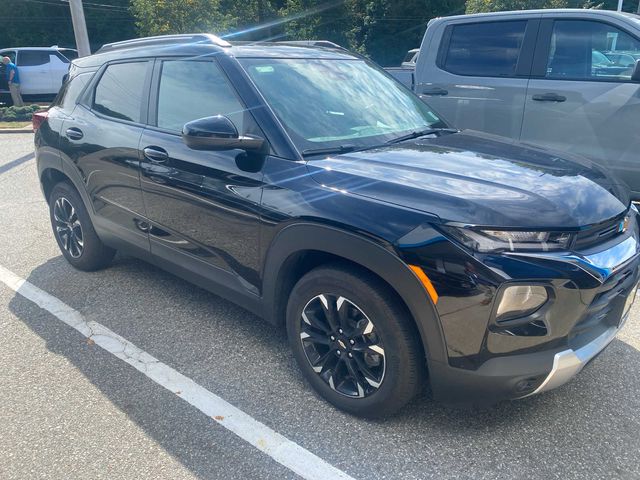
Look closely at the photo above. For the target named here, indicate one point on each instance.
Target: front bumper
(488, 361)
(568, 363)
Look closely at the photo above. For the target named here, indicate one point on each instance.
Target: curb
(16, 130)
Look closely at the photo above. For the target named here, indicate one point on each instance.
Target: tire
(378, 332)
(74, 232)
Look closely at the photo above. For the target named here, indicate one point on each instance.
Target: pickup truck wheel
(74, 231)
(354, 341)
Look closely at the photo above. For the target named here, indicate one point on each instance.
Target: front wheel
(74, 231)
(354, 341)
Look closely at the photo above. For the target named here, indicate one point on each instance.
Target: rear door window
(488, 49)
(32, 58)
(120, 90)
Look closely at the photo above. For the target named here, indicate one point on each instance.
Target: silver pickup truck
(565, 79)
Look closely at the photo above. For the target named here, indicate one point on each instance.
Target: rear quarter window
(71, 90)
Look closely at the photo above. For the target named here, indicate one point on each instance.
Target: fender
(383, 262)
(53, 161)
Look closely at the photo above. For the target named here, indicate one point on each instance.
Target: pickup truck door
(477, 77)
(581, 99)
(34, 67)
(203, 206)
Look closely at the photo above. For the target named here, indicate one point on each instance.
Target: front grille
(598, 233)
(606, 307)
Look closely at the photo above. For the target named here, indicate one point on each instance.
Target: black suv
(308, 186)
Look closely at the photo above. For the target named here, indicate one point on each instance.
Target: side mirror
(218, 133)
(635, 75)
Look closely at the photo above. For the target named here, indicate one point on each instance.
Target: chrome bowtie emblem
(341, 343)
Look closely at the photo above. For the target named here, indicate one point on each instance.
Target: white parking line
(278, 447)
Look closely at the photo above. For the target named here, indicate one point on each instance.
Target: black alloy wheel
(74, 232)
(342, 345)
(354, 340)
(68, 228)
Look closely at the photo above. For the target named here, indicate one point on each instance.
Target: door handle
(155, 154)
(435, 91)
(74, 133)
(549, 97)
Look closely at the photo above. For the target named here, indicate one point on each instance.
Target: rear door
(102, 137)
(478, 76)
(34, 67)
(581, 99)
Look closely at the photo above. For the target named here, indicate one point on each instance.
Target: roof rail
(312, 43)
(165, 40)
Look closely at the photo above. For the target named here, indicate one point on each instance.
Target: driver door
(203, 205)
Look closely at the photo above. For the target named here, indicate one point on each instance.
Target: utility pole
(79, 28)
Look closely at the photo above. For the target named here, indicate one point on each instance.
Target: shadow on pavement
(588, 428)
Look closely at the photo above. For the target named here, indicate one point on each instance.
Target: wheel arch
(50, 174)
(298, 248)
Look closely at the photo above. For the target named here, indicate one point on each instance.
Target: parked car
(42, 70)
(387, 243)
(530, 76)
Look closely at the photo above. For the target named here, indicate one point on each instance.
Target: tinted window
(119, 91)
(587, 50)
(488, 49)
(68, 96)
(11, 54)
(69, 53)
(193, 89)
(31, 58)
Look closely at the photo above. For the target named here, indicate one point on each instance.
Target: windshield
(332, 103)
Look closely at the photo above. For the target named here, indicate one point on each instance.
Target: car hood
(481, 179)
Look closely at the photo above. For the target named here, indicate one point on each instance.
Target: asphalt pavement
(70, 409)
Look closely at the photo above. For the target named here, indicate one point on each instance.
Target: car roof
(207, 45)
(48, 49)
(579, 11)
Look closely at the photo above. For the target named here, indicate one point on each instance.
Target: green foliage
(159, 17)
(17, 114)
(35, 24)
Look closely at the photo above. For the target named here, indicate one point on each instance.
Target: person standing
(13, 78)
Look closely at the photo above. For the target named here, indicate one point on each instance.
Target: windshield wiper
(421, 133)
(329, 150)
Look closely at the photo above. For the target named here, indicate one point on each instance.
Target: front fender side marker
(426, 283)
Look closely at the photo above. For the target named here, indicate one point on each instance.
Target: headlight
(506, 240)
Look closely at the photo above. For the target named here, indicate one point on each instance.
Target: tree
(27, 24)
(159, 17)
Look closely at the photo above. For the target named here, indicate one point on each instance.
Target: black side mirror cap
(635, 75)
(218, 133)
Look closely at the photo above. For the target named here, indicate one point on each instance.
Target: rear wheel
(74, 231)
(354, 341)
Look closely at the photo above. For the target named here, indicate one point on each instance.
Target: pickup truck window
(590, 50)
(487, 49)
(330, 103)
